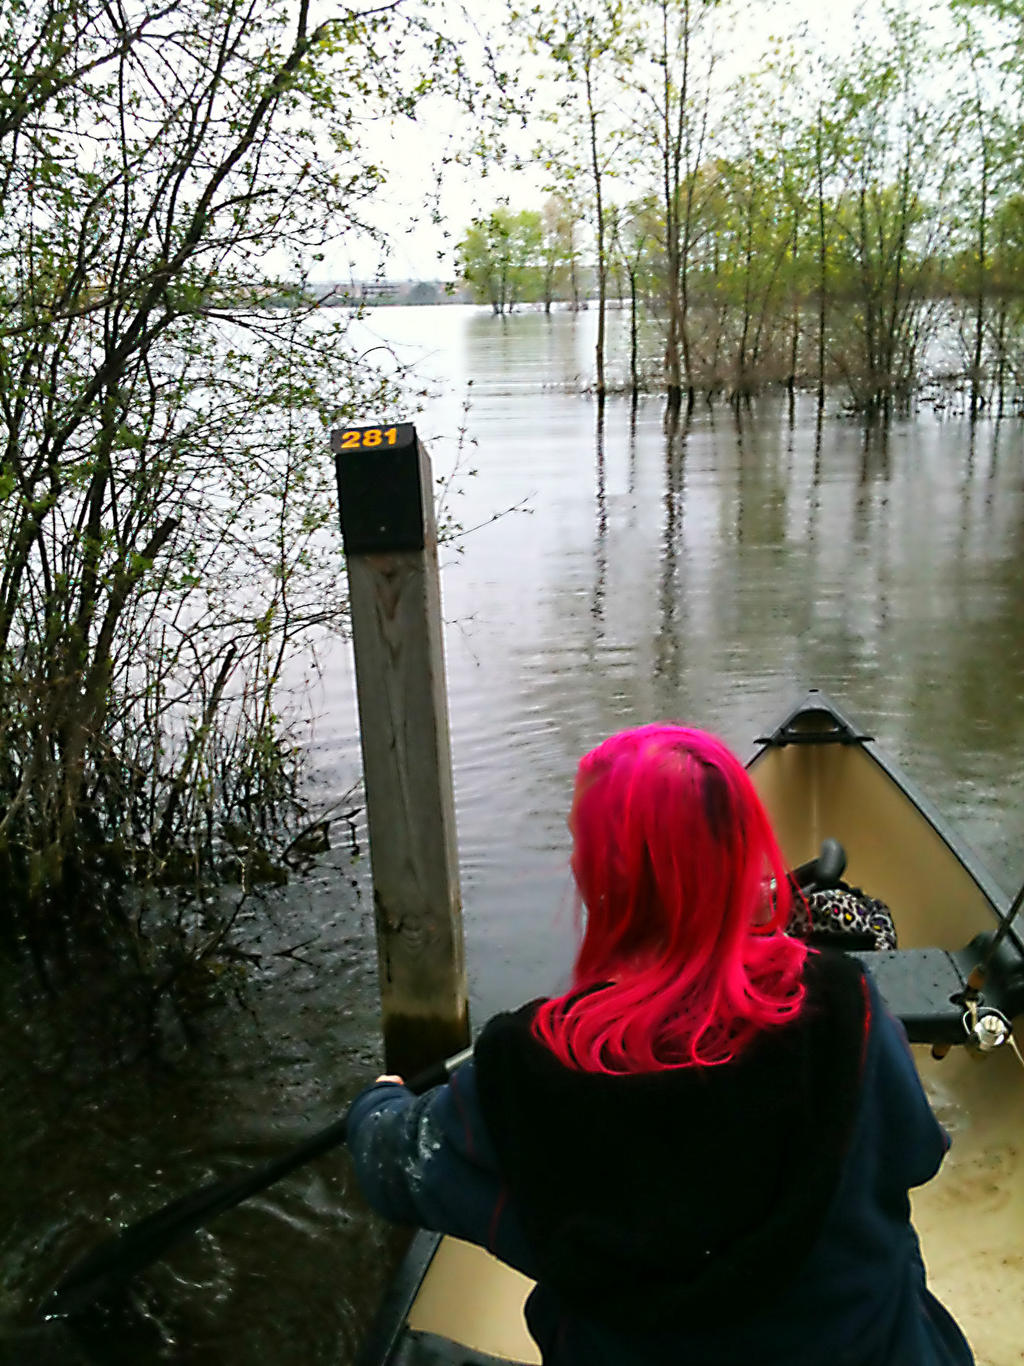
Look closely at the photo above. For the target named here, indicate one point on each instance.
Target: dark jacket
(754, 1214)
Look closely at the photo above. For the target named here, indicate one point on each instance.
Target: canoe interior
(894, 852)
(490, 1319)
(971, 1218)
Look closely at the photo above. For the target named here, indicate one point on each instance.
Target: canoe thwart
(927, 989)
(923, 988)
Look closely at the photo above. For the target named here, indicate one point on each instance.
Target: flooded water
(708, 574)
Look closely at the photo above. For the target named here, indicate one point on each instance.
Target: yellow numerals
(368, 437)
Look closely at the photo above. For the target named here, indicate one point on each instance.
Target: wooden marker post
(385, 497)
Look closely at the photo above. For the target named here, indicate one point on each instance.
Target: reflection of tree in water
(667, 651)
(601, 533)
(525, 350)
(882, 566)
(974, 633)
(874, 470)
(632, 447)
(756, 585)
(762, 481)
(814, 495)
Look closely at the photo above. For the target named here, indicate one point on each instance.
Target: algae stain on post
(388, 525)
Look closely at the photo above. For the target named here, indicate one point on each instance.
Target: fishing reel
(998, 967)
(991, 996)
(986, 1029)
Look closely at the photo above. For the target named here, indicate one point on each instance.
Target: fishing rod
(999, 936)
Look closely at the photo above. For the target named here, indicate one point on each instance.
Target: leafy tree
(632, 232)
(890, 227)
(500, 258)
(583, 38)
(1006, 330)
(985, 54)
(166, 170)
(673, 77)
(755, 215)
(848, 184)
(559, 250)
(823, 141)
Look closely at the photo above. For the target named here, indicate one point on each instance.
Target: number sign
(375, 438)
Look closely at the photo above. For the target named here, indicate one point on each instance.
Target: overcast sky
(413, 146)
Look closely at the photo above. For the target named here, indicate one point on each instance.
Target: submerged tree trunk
(634, 376)
(819, 168)
(977, 354)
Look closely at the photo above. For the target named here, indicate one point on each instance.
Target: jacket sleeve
(919, 1141)
(428, 1160)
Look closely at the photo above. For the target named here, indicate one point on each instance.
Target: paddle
(137, 1246)
(119, 1258)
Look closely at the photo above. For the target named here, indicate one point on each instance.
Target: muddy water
(708, 574)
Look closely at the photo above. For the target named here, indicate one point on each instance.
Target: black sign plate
(379, 496)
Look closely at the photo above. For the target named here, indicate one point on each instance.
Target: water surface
(709, 574)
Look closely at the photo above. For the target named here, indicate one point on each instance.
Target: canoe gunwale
(389, 1323)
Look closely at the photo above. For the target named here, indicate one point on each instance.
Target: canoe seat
(924, 987)
(427, 1349)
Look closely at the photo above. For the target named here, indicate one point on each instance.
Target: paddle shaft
(137, 1246)
(145, 1242)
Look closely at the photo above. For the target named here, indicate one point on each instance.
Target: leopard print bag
(844, 917)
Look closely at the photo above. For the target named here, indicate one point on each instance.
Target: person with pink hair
(702, 1150)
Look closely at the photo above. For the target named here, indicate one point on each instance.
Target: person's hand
(390, 1076)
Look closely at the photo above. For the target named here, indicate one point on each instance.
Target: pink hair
(682, 959)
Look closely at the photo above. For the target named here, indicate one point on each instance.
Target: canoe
(821, 777)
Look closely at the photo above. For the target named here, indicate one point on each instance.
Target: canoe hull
(819, 777)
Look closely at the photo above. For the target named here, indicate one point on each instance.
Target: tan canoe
(820, 777)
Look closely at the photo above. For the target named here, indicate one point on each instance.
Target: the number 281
(367, 437)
